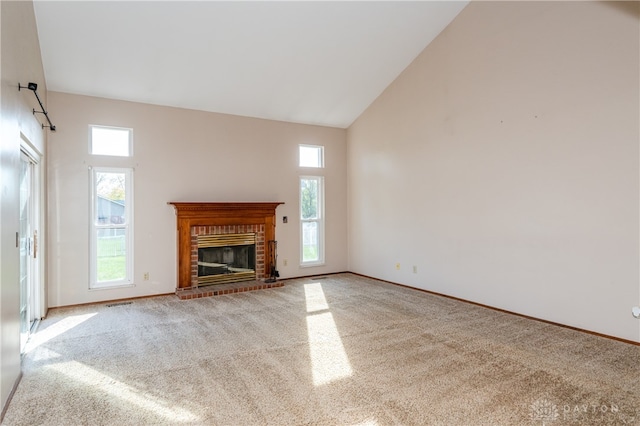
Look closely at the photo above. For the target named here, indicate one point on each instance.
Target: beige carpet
(343, 350)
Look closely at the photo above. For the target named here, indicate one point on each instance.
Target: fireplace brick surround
(206, 218)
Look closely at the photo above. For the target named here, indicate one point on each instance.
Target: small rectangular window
(311, 156)
(114, 141)
(312, 220)
(111, 227)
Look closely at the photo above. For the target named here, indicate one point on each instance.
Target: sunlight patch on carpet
(329, 361)
(55, 330)
(125, 393)
(314, 296)
(368, 422)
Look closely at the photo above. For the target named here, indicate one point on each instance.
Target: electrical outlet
(285, 262)
(415, 269)
(146, 276)
(397, 266)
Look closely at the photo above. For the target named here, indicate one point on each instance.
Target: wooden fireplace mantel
(221, 213)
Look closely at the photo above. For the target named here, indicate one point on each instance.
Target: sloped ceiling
(307, 62)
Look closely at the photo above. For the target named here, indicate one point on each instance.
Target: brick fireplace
(202, 220)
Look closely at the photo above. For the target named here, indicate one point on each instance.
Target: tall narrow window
(111, 227)
(312, 220)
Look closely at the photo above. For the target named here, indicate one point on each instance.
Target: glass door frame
(31, 244)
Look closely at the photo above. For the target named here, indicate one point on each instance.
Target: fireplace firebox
(226, 258)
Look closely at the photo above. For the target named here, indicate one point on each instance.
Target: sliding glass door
(28, 240)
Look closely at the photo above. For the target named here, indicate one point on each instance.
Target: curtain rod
(34, 87)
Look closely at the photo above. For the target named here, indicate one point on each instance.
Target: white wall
(21, 63)
(503, 163)
(181, 155)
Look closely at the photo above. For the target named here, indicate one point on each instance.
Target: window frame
(94, 228)
(98, 126)
(319, 220)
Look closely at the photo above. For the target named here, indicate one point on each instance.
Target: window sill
(311, 265)
(111, 287)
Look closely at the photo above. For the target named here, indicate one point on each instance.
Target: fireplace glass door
(226, 258)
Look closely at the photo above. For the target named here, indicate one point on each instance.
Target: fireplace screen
(226, 258)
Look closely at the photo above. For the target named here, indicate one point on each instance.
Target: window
(111, 227)
(115, 141)
(312, 220)
(311, 156)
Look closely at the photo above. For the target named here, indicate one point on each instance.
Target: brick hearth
(221, 289)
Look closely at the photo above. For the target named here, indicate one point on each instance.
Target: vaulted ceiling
(306, 62)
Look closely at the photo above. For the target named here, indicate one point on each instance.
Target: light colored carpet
(344, 350)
